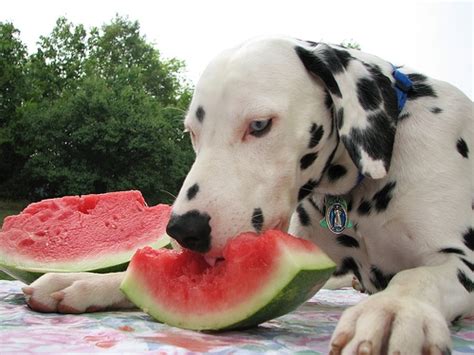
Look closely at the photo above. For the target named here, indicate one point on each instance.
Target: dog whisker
(169, 193)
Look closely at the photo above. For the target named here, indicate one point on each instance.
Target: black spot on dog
(468, 264)
(368, 94)
(349, 205)
(315, 206)
(468, 237)
(307, 160)
(344, 56)
(415, 77)
(462, 148)
(364, 208)
(333, 125)
(330, 158)
(465, 281)
(332, 60)
(330, 106)
(456, 319)
(389, 96)
(352, 148)
(328, 100)
(336, 172)
(348, 264)
(318, 67)
(307, 188)
(403, 116)
(340, 118)
(379, 279)
(452, 251)
(316, 133)
(347, 241)
(200, 113)
(303, 215)
(192, 191)
(376, 140)
(257, 219)
(420, 87)
(436, 110)
(311, 43)
(382, 198)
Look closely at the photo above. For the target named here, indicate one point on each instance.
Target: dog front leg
(76, 293)
(411, 315)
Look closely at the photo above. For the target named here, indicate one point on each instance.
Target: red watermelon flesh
(260, 278)
(82, 233)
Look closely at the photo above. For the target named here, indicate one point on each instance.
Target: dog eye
(259, 128)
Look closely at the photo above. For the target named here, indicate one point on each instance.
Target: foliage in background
(350, 43)
(89, 112)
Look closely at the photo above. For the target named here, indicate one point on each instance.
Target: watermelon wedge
(98, 233)
(261, 277)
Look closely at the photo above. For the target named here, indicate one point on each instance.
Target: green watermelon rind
(296, 279)
(29, 276)
(280, 305)
(114, 263)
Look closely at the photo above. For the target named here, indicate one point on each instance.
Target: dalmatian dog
(280, 127)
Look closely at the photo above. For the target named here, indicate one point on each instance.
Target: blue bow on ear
(403, 85)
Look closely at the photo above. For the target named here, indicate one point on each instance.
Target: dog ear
(365, 104)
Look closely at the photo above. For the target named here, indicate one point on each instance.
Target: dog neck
(340, 175)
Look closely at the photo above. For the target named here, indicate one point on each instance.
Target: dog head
(266, 120)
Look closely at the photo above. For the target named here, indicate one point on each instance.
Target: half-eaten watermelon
(261, 277)
(98, 233)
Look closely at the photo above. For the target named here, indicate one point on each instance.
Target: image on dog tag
(336, 218)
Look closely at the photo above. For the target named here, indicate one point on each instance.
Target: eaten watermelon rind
(117, 262)
(297, 278)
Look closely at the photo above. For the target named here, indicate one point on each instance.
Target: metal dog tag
(336, 216)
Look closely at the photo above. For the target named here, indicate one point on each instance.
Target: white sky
(436, 38)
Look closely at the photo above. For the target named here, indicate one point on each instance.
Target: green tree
(350, 43)
(13, 91)
(59, 61)
(13, 58)
(105, 114)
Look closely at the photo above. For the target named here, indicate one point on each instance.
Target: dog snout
(191, 230)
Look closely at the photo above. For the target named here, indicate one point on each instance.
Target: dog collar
(403, 85)
(336, 217)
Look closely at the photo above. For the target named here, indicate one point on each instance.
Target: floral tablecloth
(306, 330)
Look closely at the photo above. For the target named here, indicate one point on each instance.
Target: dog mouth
(212, 260)
(280, 224)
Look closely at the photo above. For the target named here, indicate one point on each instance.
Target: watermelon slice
(260, 278)
(97, 233)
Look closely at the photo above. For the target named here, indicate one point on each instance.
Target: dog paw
(76, 293)
(391, 324)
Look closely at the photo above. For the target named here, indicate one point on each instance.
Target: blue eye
(259, 128)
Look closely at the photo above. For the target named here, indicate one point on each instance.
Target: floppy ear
(365, 105)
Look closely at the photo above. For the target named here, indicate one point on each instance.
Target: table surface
(306, 330)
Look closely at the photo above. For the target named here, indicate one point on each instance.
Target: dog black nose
(191, 230)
